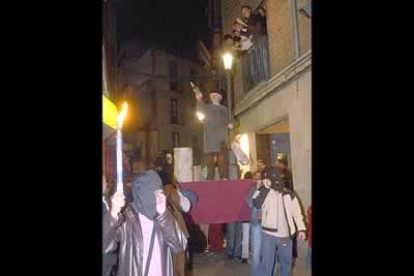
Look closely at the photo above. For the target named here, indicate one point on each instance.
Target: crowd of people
(147, 229)
(247, 29)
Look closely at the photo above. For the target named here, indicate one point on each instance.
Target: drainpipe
(294, 8)
(295, 26)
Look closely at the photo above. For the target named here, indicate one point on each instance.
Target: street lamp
(228, 62)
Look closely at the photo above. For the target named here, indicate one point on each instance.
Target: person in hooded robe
(144, 231)
(108, 260)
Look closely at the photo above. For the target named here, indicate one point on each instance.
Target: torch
(119, 169)
(197, 91)
(195, 88)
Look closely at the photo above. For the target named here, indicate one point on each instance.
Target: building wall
(291, 97)
(305, 30)
(188, 124)
(294, 100)
(287, 94)
(149, 78)
(281, 42)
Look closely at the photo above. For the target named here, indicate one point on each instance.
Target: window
(174, 111)
(176, 139)
(173, 76)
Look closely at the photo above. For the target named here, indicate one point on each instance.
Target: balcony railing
(255, 62)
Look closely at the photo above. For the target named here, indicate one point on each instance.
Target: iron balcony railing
(255, 64)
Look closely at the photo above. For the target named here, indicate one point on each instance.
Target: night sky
(175, 24)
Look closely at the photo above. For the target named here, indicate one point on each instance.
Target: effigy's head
(216, 97)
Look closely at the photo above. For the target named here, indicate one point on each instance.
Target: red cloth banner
(220, 201)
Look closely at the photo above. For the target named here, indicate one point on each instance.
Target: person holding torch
(217, 123)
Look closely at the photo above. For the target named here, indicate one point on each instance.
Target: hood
(275, 177)
(143, 188)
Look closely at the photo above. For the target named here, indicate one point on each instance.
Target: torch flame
(122, 114)
(200, 116)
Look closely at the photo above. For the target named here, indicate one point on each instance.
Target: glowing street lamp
(227, 60)
(119, 169)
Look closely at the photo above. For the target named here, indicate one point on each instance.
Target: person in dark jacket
(262, 15)
(178, 204)
(145, 232)
(108, 260)
(285, 172)
(253, 22)
(168, 166)
(165, 176)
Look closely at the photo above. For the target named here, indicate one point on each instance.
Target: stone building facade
(156, 84)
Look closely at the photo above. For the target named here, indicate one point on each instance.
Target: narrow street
(207, 115)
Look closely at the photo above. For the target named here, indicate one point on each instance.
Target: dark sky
(177, 24)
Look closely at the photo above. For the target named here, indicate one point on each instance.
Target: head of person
(169, 158)
(281, 163)
(246, 11)
(257, 178)
(144, 187)
(272, 176)
(260, 165)
(158, 163)
(248, 175)
(262, 12)
(237, 26)
(216, 98)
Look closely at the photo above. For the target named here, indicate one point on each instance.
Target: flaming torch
(119, 169)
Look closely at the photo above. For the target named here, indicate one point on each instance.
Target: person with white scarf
(281, 219)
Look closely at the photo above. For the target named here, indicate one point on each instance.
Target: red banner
(220, 201)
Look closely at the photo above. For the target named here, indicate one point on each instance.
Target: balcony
(276, 82)
(255, 64)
